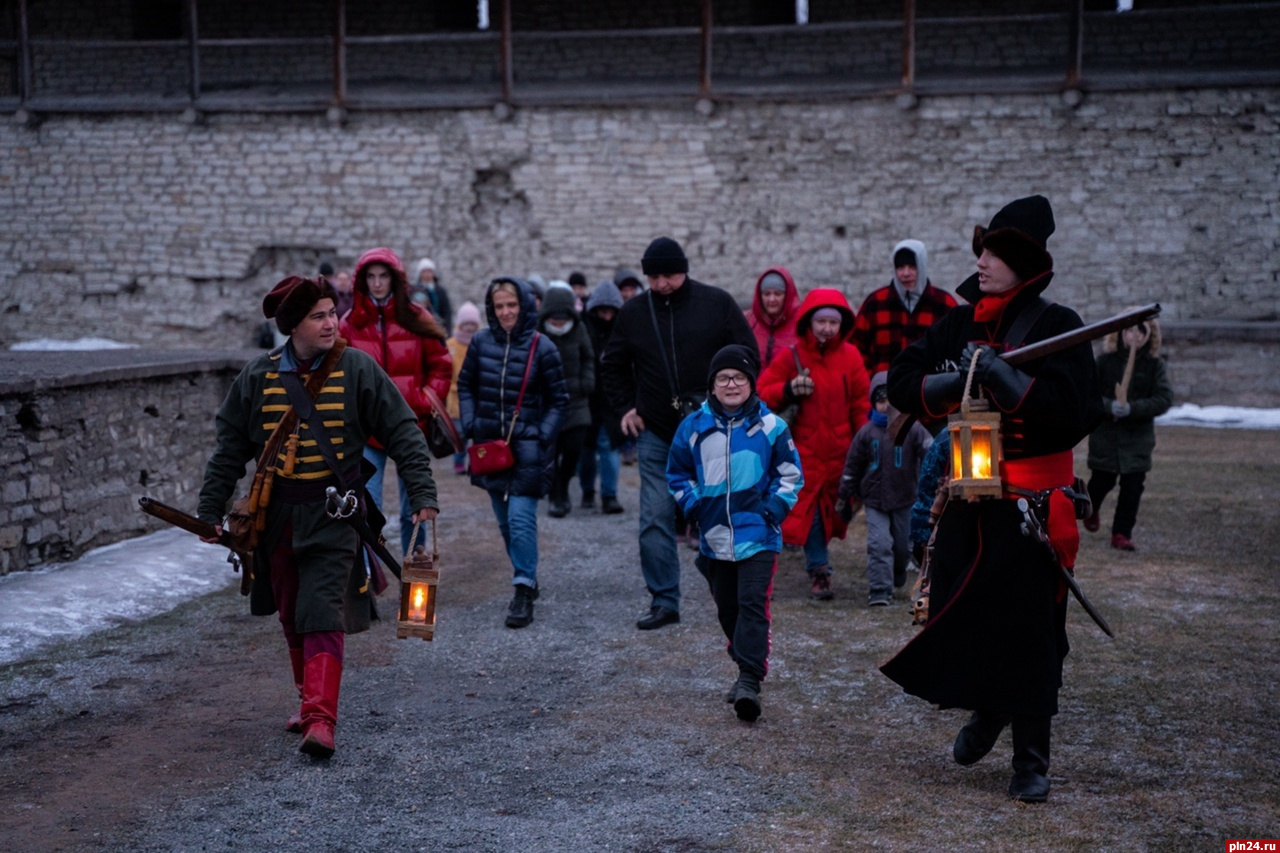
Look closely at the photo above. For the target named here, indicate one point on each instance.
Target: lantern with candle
(419, 577)
(976, 453)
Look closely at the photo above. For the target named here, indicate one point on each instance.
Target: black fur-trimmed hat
(1018, 235)
(291, 299)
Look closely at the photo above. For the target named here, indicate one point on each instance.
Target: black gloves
(942, 392)
(1007, 384)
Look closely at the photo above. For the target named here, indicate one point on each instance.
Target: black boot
(978, 737)
(1030, 759)
(588, 499)
(609, 505)
(520, 613)
(746, 697)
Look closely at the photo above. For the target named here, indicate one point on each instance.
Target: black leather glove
(942, 392)
(1008, 385)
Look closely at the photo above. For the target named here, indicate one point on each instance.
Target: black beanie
(904, 258)
(664, 257)
(734, 357)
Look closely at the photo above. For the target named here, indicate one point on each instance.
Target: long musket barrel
(1057, 343)
(1091, 332)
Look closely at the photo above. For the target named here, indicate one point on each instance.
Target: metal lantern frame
(419, 580)
(976, 449)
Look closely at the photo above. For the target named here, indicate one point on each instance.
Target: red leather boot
(321, 678)
(295, 721)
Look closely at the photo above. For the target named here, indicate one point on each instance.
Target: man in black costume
(996, 633)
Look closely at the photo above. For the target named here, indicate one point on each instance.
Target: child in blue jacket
(734, 469)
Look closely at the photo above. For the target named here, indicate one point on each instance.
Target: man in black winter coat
(996, 634)
(654, 370)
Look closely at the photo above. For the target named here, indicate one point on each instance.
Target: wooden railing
(496, 77)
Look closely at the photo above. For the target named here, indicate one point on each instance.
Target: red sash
(1041, 473)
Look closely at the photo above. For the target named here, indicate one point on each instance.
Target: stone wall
(150, 230)
(84, 435)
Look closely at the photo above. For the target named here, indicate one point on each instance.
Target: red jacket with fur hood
(828, 418)
(404, 339)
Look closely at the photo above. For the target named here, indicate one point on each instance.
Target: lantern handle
(968, 382)
(413, 537)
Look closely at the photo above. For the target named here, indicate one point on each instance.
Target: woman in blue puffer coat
(488, 389)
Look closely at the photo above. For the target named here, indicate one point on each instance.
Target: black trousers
(741, 592)
(1131, 485)
(568, 448)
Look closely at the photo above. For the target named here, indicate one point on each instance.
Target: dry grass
(1167, 735)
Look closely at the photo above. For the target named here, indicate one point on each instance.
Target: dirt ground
(581, 732)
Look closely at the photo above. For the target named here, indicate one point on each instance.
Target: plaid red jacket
(883, 328)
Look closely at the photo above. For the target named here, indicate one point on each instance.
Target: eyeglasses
(736, 379)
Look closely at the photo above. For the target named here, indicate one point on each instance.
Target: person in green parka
(1120, 448)
(306, 565)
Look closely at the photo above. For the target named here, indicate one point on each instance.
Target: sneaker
(558, 509)
(691, 539)
(1121, 542)
(520, 611)
(609, 505)
(821, 585)
(880, 600)
(1092, 523)
(588, 500)
(460, 468)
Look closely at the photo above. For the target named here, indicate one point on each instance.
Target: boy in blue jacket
(734, 469)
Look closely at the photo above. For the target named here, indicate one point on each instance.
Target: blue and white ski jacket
(737, 478)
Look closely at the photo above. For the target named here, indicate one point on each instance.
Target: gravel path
(576, 732)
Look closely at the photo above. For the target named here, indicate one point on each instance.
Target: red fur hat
(291, 299)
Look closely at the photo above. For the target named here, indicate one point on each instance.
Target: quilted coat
(489, 386)
(406, 341)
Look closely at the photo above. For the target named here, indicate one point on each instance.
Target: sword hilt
(339, 506)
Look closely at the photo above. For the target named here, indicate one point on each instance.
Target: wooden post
(1075, 50)
(908, 45)
(24, 54)
(506, 63)
(704, 65)
(339, 53)
(193, 49)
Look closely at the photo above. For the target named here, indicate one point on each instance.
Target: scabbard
(362, 529)
(1084, 602)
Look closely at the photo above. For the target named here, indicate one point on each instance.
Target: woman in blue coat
(488, 390)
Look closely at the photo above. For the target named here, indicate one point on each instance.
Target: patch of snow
(1234, 417)
(125, 582)
(80, 344)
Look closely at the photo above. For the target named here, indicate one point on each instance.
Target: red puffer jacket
(412, 358)
(828, 418)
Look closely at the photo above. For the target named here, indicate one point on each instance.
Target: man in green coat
(307, 566)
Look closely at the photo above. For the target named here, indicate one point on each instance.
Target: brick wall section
(81, 442)
(149, 230)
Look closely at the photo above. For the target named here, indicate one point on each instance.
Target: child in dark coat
(1120, 448)
(883, 477)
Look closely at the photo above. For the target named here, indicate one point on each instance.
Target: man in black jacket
(654, 370)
